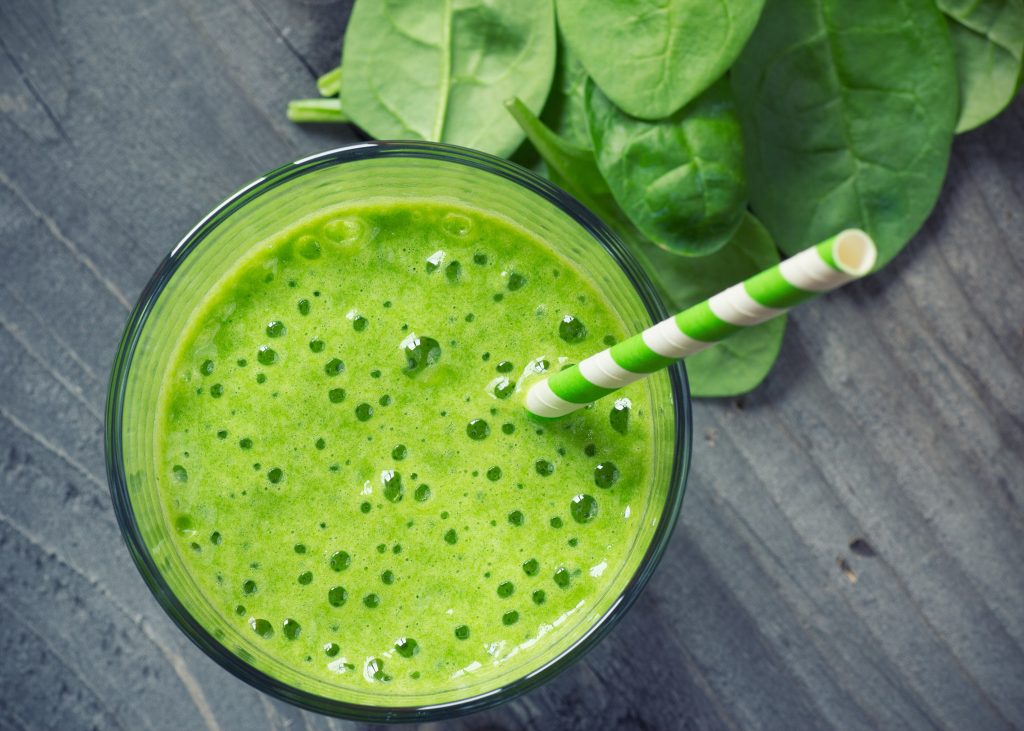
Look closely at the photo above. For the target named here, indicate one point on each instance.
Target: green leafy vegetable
(316, 110)
(679, 179)
(740, 362)
(730, 368)
(848, 110)
(565, 112)
(988, 37)
(570, 166)
(330, 83)
(440, 70)
(653, 56)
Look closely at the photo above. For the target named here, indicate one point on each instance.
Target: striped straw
(844, 257)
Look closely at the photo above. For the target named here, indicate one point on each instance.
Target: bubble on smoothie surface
(384, 400)
(583, 508)
(531, 567)
(505, 366)
(215, 538)
(387, 577)
(337, 395)
(457, 225)
(516, 518)
(217, 390)
(374, 670)
(562, 577)
(245, 443)
(179, 473)
(478, 429)
(275, 475)
(453, 272)
(480, 258)
(462, 632)
(434, 261)
(407, 647)
(543, 467)
(365, 507)
(340, 561)
(371, 601)
(516, 281)
(451, 537)
(299, 548)
(331, 649)
(276, 329)
(334, 366)
(572, 330)
(506, 589)
(266, 355)
(305, 578)
(393, 490)
(422, 493)
(346, 230)
(494, 473)
(619, 416)
(320, 443)
(206, 368)
(249, 586)
(308, 247)
(337, 596)
(262, 627)
(508, 428)
(364, 411)
(510, 618)
(291, 629)
(556, 522)
(185, 525)
(420, 353)
(606, 474)
(261, 378)
(539, 597)
(303, 307)
(503, 388)
(359, 323)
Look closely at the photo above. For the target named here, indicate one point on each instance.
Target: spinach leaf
(440, 70)
(740, 362)
(653, 56)
(730, 368)
(679, 179)
(848, 110)
(988, 37)
(565, 112)
(570, 166)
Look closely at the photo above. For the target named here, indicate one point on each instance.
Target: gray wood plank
(849, 551)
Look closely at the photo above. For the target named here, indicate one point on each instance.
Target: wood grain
(850, 549)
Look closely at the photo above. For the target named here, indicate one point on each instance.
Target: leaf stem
(330, 83)
(324, 111)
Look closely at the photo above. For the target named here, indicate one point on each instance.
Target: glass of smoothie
(317, 448)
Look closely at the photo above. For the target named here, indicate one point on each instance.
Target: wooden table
(850, 553)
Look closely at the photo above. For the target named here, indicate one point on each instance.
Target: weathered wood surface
(851, 546)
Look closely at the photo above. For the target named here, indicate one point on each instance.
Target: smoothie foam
(348, 471)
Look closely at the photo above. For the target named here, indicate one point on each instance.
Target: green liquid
(347, 468)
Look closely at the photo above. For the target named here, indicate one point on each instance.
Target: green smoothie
(348, 471)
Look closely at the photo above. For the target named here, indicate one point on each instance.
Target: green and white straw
(844, 257)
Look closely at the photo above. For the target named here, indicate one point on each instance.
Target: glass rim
(180, 614)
